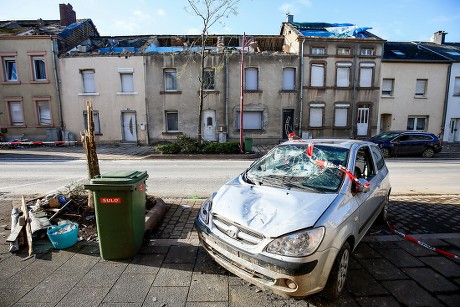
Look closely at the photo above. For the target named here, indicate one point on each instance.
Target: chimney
(67, 14)
(439, 37)
(289, 18)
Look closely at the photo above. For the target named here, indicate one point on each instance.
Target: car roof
(344, 143)
(409, 132)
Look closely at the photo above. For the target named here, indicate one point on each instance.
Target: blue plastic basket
(63, 239)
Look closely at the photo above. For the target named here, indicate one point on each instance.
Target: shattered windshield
(289, 166)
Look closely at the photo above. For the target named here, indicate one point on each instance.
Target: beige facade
(269, 108)
(340, 81)
(116, 87)
(29, 100)
(415, 101)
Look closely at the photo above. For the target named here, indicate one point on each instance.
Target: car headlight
(205, 210)
(299, 244)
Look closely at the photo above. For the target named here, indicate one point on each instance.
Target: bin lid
(118, 179)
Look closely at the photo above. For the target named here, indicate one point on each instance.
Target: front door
(454, 135)
(363, 121)
(288, 123)
(209, 125)
(129, 130)
(385, 122)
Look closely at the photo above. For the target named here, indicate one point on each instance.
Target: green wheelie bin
(119, 201)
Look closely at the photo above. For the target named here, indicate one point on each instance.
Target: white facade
(116, 87)
(452, 123)
(402, 107)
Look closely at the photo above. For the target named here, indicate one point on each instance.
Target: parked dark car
(407, 143)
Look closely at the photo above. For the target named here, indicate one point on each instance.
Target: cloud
(160, 13)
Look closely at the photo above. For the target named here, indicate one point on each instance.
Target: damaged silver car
(290, 221)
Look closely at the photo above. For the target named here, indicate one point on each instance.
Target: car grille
(236, 231)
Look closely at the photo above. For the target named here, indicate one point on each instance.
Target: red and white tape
(425, 245)
(37, 143)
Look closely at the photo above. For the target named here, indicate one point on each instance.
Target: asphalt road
(199, 178)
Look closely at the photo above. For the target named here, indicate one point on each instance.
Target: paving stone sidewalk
(173, 270)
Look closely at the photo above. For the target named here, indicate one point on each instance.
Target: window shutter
(88, 82)
(457, 86)
(341, 116)
(365, 77)
(420, 87)
(17, 118)
(316, 117)
(127, 83)
(289, 79)
(250, 80)
(317, 75)
(343, 77)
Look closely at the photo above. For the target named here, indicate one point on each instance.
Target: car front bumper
(288, 279)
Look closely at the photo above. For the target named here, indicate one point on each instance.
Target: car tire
(383, 215)
(338, 274)
(428, 153)
(385, 152)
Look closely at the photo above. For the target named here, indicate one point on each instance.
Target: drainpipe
(58, 89)
(353, 95)
(147, 126)
(301, 87)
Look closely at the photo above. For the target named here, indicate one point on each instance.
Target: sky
(392, 20)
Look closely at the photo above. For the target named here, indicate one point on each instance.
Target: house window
(172, 121)
(457, 86)
(16, 113)
(316, 115)
(343, 74)
(39, 69)
(387, 87)
(170, 79)
(420, 87)
(288, 79)
(416, 123)
(251, 79)
(43, 112)
(10, 69)
(89, 85)
(344, 51)
(318, 51)
(96, 121)
(317, 75)
(366, 72)
(208, 79)
(252, 120)
(367, 51)
(127, 83)
(341, 115)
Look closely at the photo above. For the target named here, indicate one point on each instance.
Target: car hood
(268, 210)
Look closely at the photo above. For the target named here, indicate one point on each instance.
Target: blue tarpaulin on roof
(323, 29)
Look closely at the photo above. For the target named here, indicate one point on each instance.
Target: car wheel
(428, 153)
(385, 152)
(338, 275)
(382, 218)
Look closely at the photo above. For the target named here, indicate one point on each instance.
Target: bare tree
(210, 12)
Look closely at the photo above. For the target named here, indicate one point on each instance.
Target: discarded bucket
(63, 236)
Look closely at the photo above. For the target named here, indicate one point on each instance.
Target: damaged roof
(68, 36)
(174, 43)
(332, 30)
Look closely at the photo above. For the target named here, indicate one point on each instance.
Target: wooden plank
(60, 210)
(28, 229)
(14, 233)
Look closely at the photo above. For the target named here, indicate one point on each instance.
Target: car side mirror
(364, 186)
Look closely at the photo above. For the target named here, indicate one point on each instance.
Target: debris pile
(35, 217)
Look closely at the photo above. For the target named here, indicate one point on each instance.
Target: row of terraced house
(315, 79)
